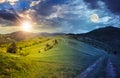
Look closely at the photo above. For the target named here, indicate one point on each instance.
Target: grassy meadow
(47, 57)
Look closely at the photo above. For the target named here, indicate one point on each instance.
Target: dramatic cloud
(69, 16)
(8, 16)
(113, 5)
(34, 3)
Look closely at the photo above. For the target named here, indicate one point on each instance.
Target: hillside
(60, 56)
(65, 59)
(106, 34)
(106, 38)
(16, 36)
(22, 35)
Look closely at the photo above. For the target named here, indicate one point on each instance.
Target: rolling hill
(60, 56)
(65, 59)
(106, 38)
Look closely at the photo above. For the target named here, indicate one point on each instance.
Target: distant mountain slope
(107, 38)
(105, 34)
(22, 35)
(16, 36)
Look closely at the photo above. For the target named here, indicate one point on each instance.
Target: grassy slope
(67, 59)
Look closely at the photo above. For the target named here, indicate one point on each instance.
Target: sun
(26, 26)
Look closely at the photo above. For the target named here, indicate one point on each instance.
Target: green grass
(12, 66)
(66, 59)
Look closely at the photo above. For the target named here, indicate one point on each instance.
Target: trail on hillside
(95, 69)
(110, 70)
(85, 73)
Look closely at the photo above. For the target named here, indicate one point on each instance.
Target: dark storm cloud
(112, 5)
(74, 16)
(45, 7)
(70, 16)
(8, 16)
(92, 4)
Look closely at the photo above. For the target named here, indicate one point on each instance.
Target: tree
(12, 48)
(20, 48)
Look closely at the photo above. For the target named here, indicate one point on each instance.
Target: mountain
(105, 34)
(22, 35)
(16, 36)
(107, 38)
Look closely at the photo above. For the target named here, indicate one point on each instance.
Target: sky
(58, 16)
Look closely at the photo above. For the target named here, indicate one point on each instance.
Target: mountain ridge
(106, 38)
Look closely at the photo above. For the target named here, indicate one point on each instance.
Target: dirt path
(85, 74)
(110, 70)
(102, 68)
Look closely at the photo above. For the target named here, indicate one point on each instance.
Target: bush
(55, 42)
(48, 47)
(12, 48)
(20, 48)
(39, 51)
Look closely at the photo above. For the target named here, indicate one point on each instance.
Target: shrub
(39, 51)
(55, 42)
(12, 48)
(48, 47)
(20, 48)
